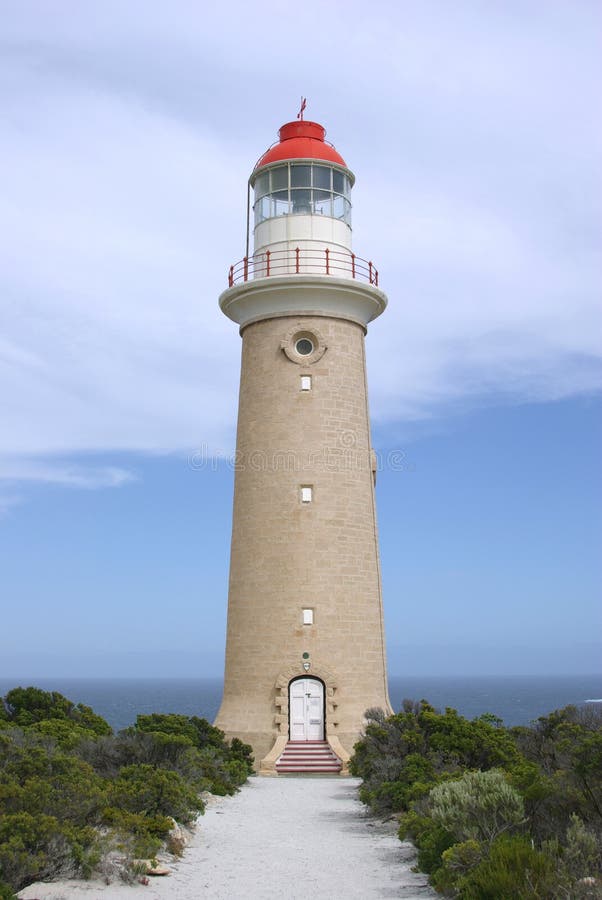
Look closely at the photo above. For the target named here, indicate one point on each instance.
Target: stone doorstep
(335, 758)
(310, 757)
(308, 760)
(308, 754)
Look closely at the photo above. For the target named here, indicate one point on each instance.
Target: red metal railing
(302, 261)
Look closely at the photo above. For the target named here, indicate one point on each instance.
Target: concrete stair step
(307, 756)
(310, 757)
(308, 753)
(329, 763)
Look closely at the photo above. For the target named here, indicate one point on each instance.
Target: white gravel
(295, 838)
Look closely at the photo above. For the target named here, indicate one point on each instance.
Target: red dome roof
(301, 140)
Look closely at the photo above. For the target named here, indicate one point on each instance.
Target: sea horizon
(516, 699)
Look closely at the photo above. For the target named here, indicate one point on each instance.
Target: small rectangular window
(306, 382)
(308, 617)
(306, 493)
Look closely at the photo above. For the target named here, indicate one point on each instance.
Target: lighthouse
(305, 649)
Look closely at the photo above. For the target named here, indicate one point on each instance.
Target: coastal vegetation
(77, 799)
(495, 812)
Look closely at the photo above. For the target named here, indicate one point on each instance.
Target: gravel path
(289, 837)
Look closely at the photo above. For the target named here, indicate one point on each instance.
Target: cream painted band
(264, 298)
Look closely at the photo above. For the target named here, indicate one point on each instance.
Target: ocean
(516, 700)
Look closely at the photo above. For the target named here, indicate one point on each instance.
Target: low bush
(477, 807)
(40, 846)
(513, 869)
(73, 794)
(431, 839)
(494, 812)
(27, 706)
(153, 792)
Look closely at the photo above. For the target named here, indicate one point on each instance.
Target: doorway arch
(307, 709)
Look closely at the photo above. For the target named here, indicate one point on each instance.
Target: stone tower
(305, 650)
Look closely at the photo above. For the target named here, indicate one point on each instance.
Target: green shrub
(243, 753)
(37, 847)
(219, 769)
(578, 860)
(483, 782)
(479, 806)
(26, 706)
(109, 755)
(582, 856)
(238, 771)
(72, 792)
(414, 778)
(66, 734)
(456, 862)
(430, 838)
(154, 792)
(419, 746)
(181, 735)
(513, 869)
(566, 748)
(137, 834)
(6, 892)
(44, 780)
(199, 731)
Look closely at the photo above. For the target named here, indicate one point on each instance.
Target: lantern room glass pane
(322, 177)
(279, 178)
(262, 185)
(339, 207)
(301, 200)
(280, 204)
(338, 182)
(300, 176)
(323, 203)
(262, 210)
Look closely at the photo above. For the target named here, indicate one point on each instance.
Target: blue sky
(128, 136)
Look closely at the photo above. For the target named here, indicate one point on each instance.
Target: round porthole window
(304, 347)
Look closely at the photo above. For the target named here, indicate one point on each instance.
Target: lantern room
(301, 193)
(302, 188)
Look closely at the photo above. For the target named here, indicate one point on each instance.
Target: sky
(127, 138)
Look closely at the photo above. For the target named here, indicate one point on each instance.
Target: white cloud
(14, 471)
(129, 133)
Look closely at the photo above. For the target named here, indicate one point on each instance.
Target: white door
(306, 705)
